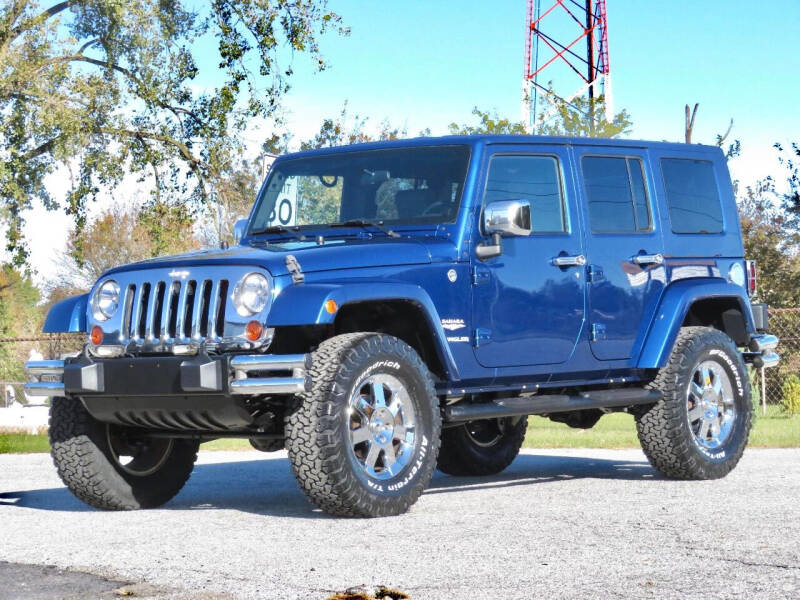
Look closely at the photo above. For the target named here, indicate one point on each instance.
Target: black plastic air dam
(178, 413)
(549, 403)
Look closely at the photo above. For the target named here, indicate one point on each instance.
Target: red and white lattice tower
(566, 47)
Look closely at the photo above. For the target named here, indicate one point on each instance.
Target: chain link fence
(16, 351)
(783, 380)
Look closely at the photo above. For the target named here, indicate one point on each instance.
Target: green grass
(775, 430)
(227, 444)
(612, 431)
(23, 443)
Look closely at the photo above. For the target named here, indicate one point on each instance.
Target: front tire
(364, 441)
(480, 448)
(111, 467)
(701, 427)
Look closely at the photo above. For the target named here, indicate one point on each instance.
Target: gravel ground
(556, 524)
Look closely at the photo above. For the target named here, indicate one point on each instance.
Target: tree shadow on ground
(267, 487)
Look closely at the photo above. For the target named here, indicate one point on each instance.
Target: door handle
(569, 261)
(648, 259)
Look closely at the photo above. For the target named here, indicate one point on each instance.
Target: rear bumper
(172, 392)
(761, 351)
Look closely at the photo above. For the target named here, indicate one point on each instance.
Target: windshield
(419, 185)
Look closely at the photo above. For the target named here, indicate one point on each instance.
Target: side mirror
(239, 230)
(508, 217)
(504, 218)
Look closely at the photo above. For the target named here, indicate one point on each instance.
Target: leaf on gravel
(386, 593)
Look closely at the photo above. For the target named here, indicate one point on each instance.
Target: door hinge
(480, 275)
(598, 332)
(482, 337)
(594, 273)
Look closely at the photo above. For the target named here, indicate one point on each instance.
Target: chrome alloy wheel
(710, 404)
(382, 425)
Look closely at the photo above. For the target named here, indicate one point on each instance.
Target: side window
(617, 194)
(532, 178)
(692, 196)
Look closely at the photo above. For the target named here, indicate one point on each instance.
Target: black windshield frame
(440, 171)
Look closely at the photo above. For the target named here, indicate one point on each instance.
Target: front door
(623, 248)
(527, 310)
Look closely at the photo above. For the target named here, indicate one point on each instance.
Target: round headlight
(105, 301)
(251, 294)
(736, 274)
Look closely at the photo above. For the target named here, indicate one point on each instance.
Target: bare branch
(195, 164)
(87, 45)
(690, 122)
(41, 17)
(175, 110)
(41, 149)
(721, 138)
(54, 10)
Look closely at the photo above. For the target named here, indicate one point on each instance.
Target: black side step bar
(549, 403)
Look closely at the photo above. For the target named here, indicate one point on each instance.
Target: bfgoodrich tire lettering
(87, 462)
(337, 466)
(686, 435)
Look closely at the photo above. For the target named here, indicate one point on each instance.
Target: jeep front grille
(174, 311)
(177, 310)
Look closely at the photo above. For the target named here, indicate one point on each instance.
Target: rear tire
(88, 456)
(701, 427)
(485, 447)
(364, 441)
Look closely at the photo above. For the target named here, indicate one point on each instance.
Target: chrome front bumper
(244, 366)
(241, 375)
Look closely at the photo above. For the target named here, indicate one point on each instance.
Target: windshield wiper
(281, 229)
(367, 223)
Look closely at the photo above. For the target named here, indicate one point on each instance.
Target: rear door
(624, 247)
(526, 309)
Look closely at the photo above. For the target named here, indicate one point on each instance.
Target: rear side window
(617, 194)
(532, 178)
(692, 196)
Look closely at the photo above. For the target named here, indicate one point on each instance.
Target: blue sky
(426, 63)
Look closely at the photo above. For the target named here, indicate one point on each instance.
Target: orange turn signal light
(96, 335)
(331, 307)
(253, 331)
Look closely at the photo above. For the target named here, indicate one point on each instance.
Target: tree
(103, 88)
(122, 235)
(577, 118)
(790, 160)
(581, 117)
(236, 194)
(344, 129)
(769, 239)
(19, 317)
(488, 123)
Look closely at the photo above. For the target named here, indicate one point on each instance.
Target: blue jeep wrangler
(395, 307)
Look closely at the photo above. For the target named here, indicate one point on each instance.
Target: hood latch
(294, 268)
